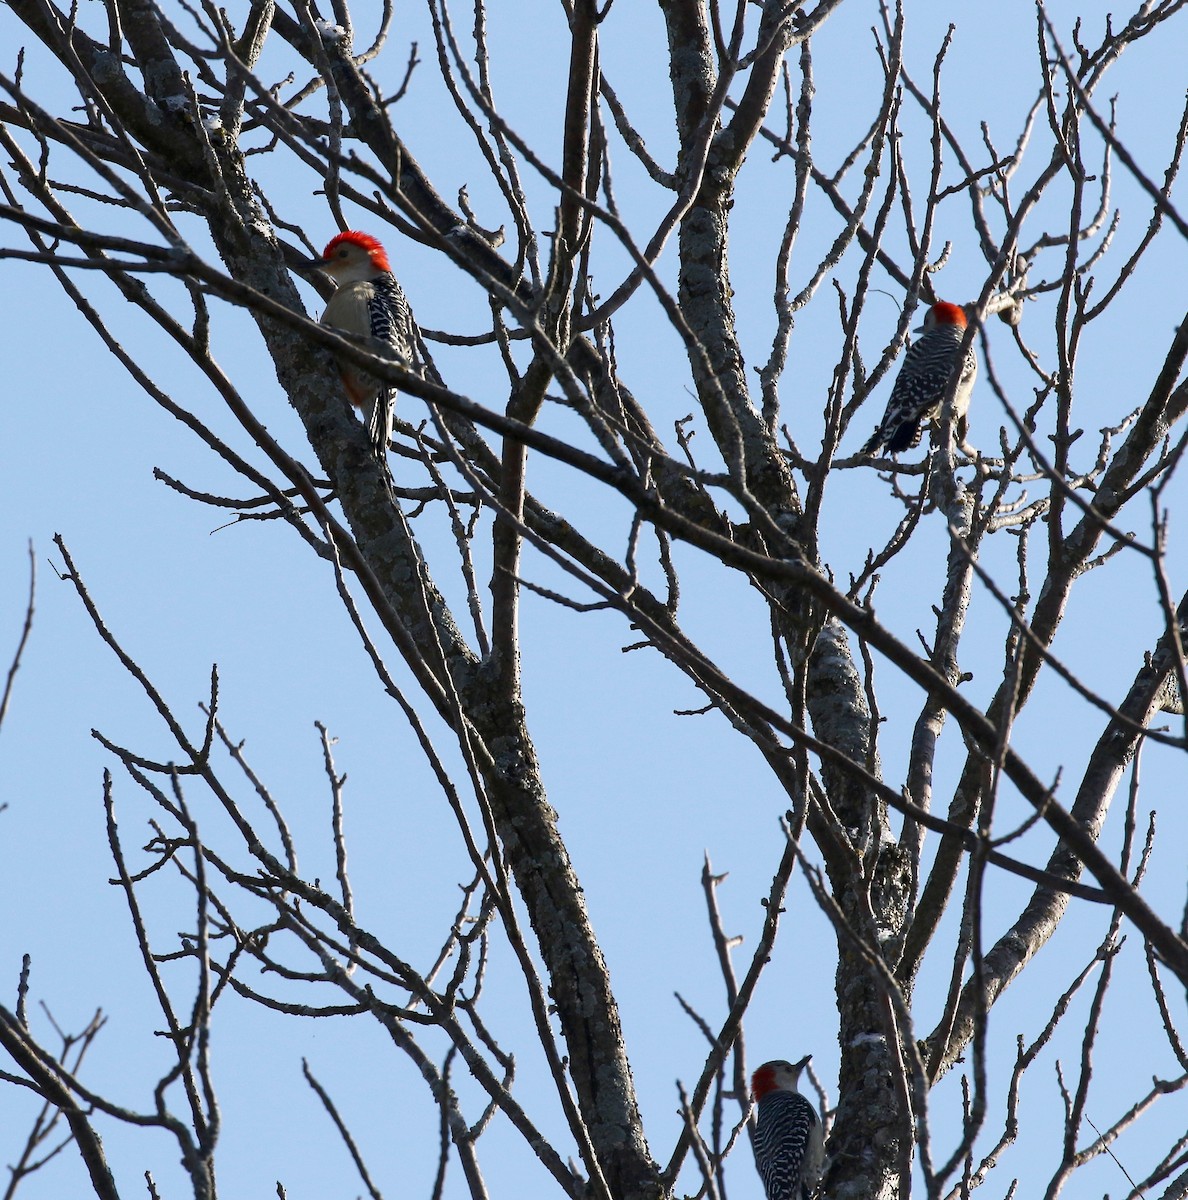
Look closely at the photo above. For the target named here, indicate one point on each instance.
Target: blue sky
(642, 794)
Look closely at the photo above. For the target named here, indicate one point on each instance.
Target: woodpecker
(789, 1144)
(368, 303)
(924, 379)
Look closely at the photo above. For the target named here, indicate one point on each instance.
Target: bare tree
(186, 155)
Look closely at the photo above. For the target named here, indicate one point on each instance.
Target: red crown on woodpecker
(777, 1075)
(763, 1081)
(375, 251)
(944, 313)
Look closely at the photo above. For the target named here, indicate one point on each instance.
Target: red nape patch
(945, 313)
(352, 237)
(762, 1082)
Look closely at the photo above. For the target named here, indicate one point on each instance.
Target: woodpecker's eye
(343, 252)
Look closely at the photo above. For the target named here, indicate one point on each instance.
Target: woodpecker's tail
(380, 418)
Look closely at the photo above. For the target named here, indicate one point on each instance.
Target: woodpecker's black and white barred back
(390, 315)
(789, 1140)
(928, 367)
(368, 303)
(391, 323)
